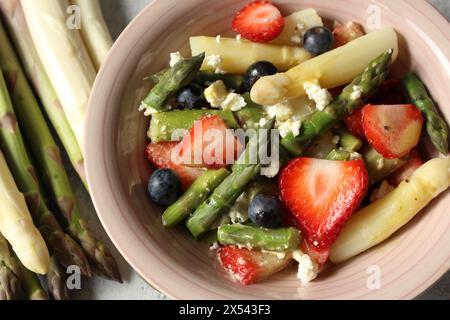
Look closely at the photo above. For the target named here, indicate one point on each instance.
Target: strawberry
(393, 130)
(250, 266)
(390, 92)
(406, 171)
(354, 123)
(160, 154)
(209, 144)
(322, 195)
(344, 33)
(260, 21)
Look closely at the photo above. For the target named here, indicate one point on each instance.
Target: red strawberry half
(260, 21)
(344, 33)
(354, 123)
(393, 130)
(160, 154)
(322, 195)
(250, 266)
(406, 171)
(209, 144)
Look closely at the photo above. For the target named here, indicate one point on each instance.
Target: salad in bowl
(291, 142)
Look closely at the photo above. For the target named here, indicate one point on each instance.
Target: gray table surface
(118, 13)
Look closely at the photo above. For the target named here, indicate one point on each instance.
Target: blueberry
(191, 97)
(256, 71)
(318, 40)
(266, 211)
(164, 187)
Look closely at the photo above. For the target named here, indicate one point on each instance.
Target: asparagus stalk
(348, 141)
(164, 124)
(14, 19)
(64, 56)
(193, 197)
(436, 126)
(47, 155)
(338, 155)
(60, 244)
(32, 285)
(94, 31)
(10, 282)
(231, 81)
(351, 98)
(279, 240)
(249, 116)
(56, 281)
(175, 78)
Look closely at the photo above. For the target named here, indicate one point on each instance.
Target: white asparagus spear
(94, 31)
(381, 219)
(17, 226)
(64, 57)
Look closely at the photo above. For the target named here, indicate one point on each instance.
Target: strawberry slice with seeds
(260, 21)
(393, 130)
(209, 144)
(407, 170)
(250, 266)
(160, 154)
(322, 195)
(345, 32)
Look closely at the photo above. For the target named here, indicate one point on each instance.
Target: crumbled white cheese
(263, 122)
(281, 111)
(322, 97)
(356, 93)
(233, 102)
(216, 94)
(290, 126)
(215, 62)
(214, 246)
(335, 139)
(296, 39)
(307, 268)
(239, 38)
(380, 163)
(175, 57)
(355, 156)
(148, 111)
(218, 38)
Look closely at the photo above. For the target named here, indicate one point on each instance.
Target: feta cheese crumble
(239, 38)
(307, 268)
(263, 122)
(355, 156)
(357, 93)
(290, 126)
(380, 163)
(148, 111)
(175, 57)
(216, 94)
(218, 38)
(215, 62)
(233, 102)
(281, 111)
(322, 97)
(296, 39)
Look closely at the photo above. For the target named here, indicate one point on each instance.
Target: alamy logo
(73, 22)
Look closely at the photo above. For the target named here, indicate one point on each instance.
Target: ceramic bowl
(409, 262)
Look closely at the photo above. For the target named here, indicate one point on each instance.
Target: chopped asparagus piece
(279, 240)
(338, 155)
(437, 128)
(379, 167)
(348, 141)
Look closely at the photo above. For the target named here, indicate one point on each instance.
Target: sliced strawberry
(406, 171)
(260, 21)
(320, 256)
(322, 195)
(160, 154)
(250, 266)
(209, 144)
(390, 92)
(344, 33)
(354, 123)
(393, 130)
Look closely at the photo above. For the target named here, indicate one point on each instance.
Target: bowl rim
(91, 153)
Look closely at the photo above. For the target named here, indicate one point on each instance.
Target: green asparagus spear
(32, 285)
(231, 81)
(56, 281)
(351, 98)
(436, 126)
(250, 116)
(18, 29)
(10, 282)
(193, 197)
(348, 141)
(338, 155)
(377, 166)
(13, 146)
(175, 78)
(47, 155)
(279, 240)
(163, 124)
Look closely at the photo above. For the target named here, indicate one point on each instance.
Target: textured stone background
(118, 14)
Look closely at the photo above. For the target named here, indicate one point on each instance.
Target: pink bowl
(169, 259)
